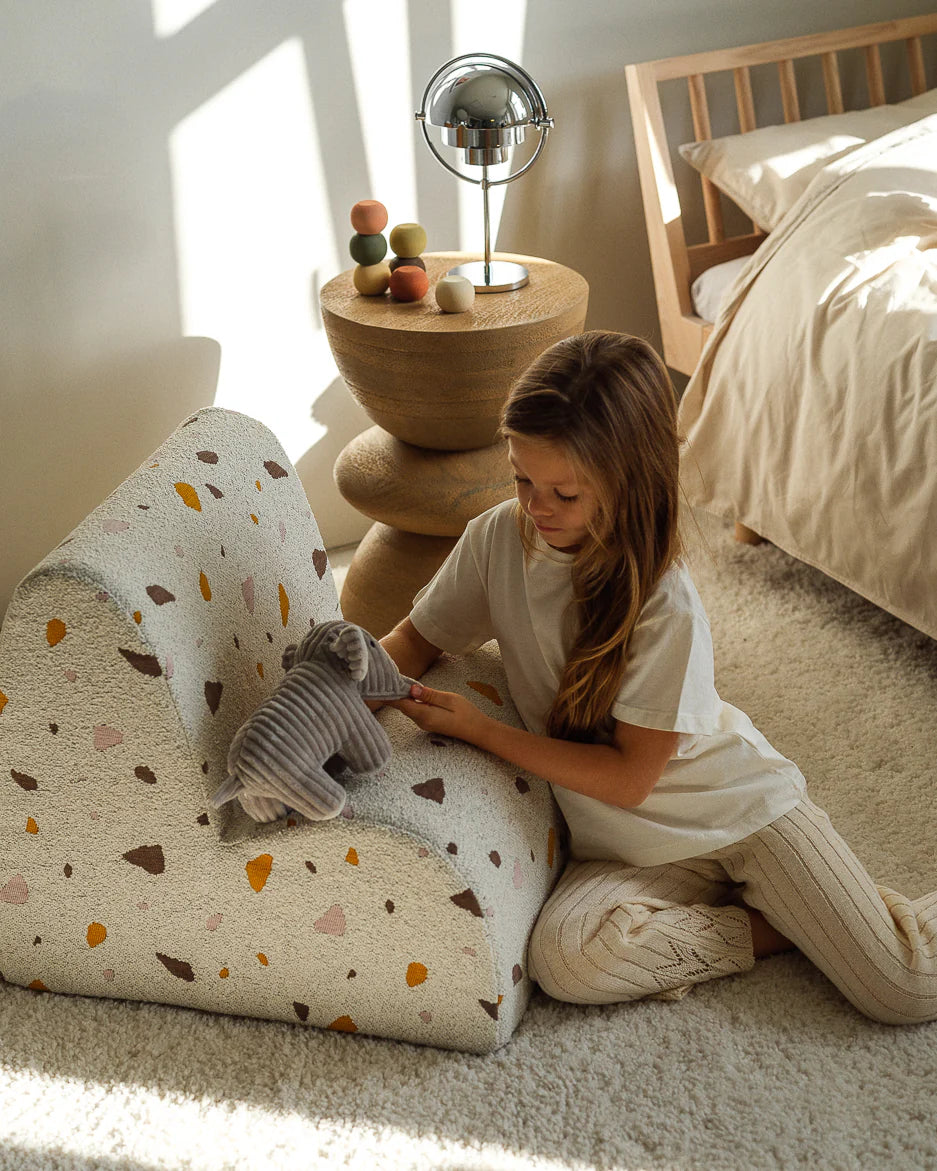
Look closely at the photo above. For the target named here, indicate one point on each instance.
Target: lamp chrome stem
(485, 186)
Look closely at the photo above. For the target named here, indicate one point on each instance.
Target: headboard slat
(744, 99)
(831, 82)
(873, 71)
(916, 66)
(699, 108)
(746, 104)
(789, 91)
(713, 209)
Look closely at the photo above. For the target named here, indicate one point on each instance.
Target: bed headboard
(676, 264)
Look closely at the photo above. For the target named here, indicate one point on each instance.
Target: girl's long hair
(608, 400)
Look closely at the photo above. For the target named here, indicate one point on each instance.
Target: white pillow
(710, 287)
(765, 171)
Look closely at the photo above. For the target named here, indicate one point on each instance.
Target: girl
(694, 846)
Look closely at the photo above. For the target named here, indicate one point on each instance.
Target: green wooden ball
(367, 249)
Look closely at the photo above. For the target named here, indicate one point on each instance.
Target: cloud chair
(129, 658)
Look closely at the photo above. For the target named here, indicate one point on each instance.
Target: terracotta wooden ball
(369, 217)
(454, 293)
(408, 239)
(371, 280)
(408, 283)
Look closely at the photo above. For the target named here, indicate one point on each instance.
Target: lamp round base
(501, 277)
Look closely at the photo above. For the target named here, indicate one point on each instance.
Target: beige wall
(96, 367)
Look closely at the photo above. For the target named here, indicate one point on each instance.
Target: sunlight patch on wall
(252, 230)
(169, 16)
(380, 60)
(487, 26)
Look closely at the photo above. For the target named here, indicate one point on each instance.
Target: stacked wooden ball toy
(408, 279)
(405, 275)
(368, 248)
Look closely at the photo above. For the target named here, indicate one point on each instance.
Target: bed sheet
(812, 416)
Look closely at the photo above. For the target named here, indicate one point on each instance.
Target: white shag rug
(771, 1069)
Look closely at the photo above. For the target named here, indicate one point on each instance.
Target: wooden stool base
(389, 567)
(419, 490)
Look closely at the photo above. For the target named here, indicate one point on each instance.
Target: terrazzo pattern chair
(128, 659)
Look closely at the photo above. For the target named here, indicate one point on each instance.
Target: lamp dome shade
(484, 104)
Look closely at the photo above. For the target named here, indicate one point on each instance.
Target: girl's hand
(444, 712)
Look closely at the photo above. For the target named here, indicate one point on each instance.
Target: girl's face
(549, 491)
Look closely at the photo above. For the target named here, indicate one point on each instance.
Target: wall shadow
(94, 368)
(343, 418)
(78, 436)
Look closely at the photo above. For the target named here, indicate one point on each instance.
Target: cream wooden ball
(454, 293)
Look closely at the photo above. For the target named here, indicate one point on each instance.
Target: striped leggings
(612, 932)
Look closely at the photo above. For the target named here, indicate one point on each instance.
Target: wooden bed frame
(676, 264)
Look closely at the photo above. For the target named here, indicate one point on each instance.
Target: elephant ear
(349, 645)
(289, 656)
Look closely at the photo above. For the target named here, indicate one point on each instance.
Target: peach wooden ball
(368, 217)
(408, 283)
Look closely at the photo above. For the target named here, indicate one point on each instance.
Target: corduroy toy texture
(288, 754)
(129, 659)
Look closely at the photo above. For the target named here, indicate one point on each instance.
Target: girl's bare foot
(765, 940)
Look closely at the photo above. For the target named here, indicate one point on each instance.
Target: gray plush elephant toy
(284, 755)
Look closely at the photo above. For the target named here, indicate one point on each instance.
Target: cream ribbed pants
(611, 932)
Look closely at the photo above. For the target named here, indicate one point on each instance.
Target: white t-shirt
(725, 780)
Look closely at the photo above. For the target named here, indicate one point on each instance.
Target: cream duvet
(812, 417)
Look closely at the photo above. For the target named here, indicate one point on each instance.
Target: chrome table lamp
(484, 105)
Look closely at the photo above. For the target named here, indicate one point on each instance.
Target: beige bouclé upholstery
(128, 659)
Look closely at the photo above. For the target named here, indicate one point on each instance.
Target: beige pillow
(767, 170)
(925, 104)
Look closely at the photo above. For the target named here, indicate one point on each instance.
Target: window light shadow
(170, 16)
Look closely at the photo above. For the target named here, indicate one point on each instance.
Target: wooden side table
(434, 384)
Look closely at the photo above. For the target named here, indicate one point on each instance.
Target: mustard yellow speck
(189, 496)
(55, 631)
